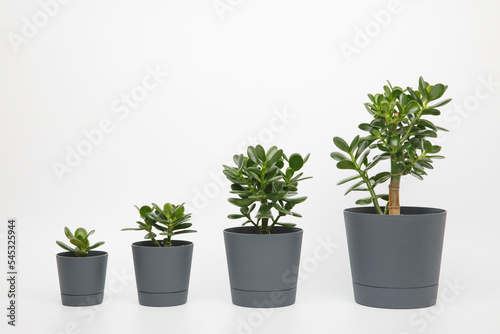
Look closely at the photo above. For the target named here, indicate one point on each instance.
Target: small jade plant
(168, 221)
(261, 180)
(400, 132)
(80, 240)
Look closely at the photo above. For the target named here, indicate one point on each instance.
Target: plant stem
(393, 205)
(264, 229)
(155, 242)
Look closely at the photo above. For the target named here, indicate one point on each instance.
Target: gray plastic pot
(162, 273)
(395, 260)
(263, 268)
(81, 279)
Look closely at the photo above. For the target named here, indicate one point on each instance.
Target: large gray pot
(162, 273)
(395, 260)
(263, 268)
(81, 279)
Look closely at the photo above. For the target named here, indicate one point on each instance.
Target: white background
(254, 71)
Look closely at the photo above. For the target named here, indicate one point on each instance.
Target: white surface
(228, 80)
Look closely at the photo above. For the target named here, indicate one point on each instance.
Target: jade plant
(80, 240)
(400, 131)
(168, 221)
(267, 181)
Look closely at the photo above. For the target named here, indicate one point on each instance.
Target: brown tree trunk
(393, 205)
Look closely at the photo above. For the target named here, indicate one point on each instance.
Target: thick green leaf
(276, 196)
(296, 161)
(144, 210)
(365, 126)
(426, 123)
(271, 160)
(354, 187)
(338, 156)
(260, 153)
(381, 175)
(184, 231)
(97, 244)
(430, 111)
(81, 234)
(346, 164)
(437, 91)
(182, 226)
(235, 216)
(440, 104)
(241, 202)
(78, 243)
(341, 144)
(296, 200)
(150, 235)
(252, 154)
(289, 225)
(354, 144)
(64, 246)
(364, 201)
(347, 179)
(68, 233)
(264, 212)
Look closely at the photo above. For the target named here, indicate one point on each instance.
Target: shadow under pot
(162, 273)
(263, 268)
(395, 260)
(82, 279)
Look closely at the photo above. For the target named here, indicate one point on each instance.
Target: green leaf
(264, 212)
(347, 179)
(271, 160)
(242, 202)
(288, 225)
(364, 201)
(132, 229)
(235, 216)
(427, 146)
(68, 233)
(346, 164)
(338, 156)
(341, 144)
(281, 209)
(354, 187)
(440, 104)
(296, 200)
(260, 153)
(289, 173)
(184, 231)
(354, 144)
(77, 242)
(296, 161)
(276, 195)
(150, 235)
(81, 234)
(144, 210)
(97, 244)
(64, 246)
(168, 209)
(365, 127)
(430, 111)
(251, 154)
(381, 176)
(437, 91)
(426, 123)
(182, 226)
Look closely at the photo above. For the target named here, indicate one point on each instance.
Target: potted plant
(395, 252)
(82, 271)
(263, 257)
(162, 267)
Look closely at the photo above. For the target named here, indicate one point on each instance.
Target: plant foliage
(265, 184)
(401, 133)
(80, 241)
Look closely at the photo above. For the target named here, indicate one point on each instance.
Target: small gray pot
(162, 273)
(82, 279)
(263, 268)
(395, 260)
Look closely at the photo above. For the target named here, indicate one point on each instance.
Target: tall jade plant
(400, 131)
(267, 181)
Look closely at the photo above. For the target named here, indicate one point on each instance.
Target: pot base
(82, 300)
(163, 299)
(263, 299)
(395, 298)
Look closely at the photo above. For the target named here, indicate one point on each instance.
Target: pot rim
(366, 211)
(92, 254)
(144, 244)
(237, 230)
